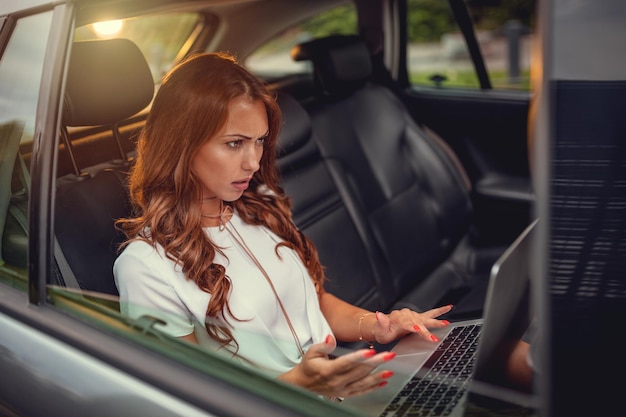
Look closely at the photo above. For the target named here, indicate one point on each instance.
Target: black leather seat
(405, 188)
(108, 81)
(322, 214)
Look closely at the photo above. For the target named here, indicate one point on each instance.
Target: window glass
(273, 59)
(20, 76)
(438, 55)
(160, 37)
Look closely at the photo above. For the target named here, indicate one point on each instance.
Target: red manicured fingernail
(417, 328)
(450, 305)
(369, 353)
(386, 374)
(327, 340)
(446, 322)
(382, 384)
(389, 356)
(434, 338)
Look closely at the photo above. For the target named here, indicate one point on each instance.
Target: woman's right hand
(345, 376)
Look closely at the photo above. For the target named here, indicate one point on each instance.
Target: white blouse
(149, 283)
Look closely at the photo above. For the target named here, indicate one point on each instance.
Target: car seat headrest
(107, 81)
(297, 127)
(342, 63)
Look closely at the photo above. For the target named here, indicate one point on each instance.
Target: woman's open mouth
(241, 185)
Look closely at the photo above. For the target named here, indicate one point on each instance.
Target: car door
(463, 68)
(65, 351)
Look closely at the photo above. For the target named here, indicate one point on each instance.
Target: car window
(438, 55)
(161, 38)
(273, 59)
(20, 76)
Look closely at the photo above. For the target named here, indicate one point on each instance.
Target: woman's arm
(350, 323)
(344, 317)
(517, 368)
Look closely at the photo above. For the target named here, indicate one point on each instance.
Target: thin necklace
(242, 244)
(224, 212)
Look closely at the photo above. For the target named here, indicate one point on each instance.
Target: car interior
(403, 205)
(407, 191)
(406, 152)
(345, 194)
(386, 200)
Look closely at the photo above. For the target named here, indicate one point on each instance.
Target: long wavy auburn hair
(190, 107)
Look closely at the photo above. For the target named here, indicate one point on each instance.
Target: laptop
(426, 369)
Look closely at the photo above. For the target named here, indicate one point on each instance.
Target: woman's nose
(252, 158)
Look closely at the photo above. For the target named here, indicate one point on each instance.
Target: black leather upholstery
(85, 227)
(108, 81)
(116, 72)
(405, 189)
(334, 58)
(321, 213)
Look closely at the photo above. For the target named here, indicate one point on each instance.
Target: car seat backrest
(108, 82)
(85, 227)
(321, 213)
(415, 198)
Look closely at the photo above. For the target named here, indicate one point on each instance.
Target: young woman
(213, 250)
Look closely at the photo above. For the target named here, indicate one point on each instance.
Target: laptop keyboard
(443, 380)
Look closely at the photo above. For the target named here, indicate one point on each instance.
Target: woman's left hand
(389, 327)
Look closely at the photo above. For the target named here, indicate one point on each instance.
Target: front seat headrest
(342, 63)
(107, 81)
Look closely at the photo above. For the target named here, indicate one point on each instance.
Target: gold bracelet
(361, 333)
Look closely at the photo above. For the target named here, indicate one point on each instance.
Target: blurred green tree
(428, 20)
(337, 21)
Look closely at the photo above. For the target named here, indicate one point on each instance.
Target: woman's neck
(215, 212)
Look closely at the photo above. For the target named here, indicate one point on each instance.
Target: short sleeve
(143, 278)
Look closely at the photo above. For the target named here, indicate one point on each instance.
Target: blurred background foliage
(428, 20)
(337, 21)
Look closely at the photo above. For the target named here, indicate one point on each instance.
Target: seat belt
(64, 273)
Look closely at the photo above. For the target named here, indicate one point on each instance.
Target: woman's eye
(234, 143)
(261, 141)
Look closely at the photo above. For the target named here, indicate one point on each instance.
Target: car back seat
(408, 190)
(355, 270)
(108, 82)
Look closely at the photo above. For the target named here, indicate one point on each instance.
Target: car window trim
(45, 142)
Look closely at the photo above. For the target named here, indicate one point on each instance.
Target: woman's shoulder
(138, 247)
(140, 250)
(140, 258)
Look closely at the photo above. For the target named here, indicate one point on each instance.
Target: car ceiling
(262, 19)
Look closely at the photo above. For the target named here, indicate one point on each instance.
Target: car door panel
(488, 132)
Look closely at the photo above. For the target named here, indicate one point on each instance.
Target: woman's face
(226, 162)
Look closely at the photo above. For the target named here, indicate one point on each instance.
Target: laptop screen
(506, 320)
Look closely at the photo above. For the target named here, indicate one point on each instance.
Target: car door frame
(485, 127)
